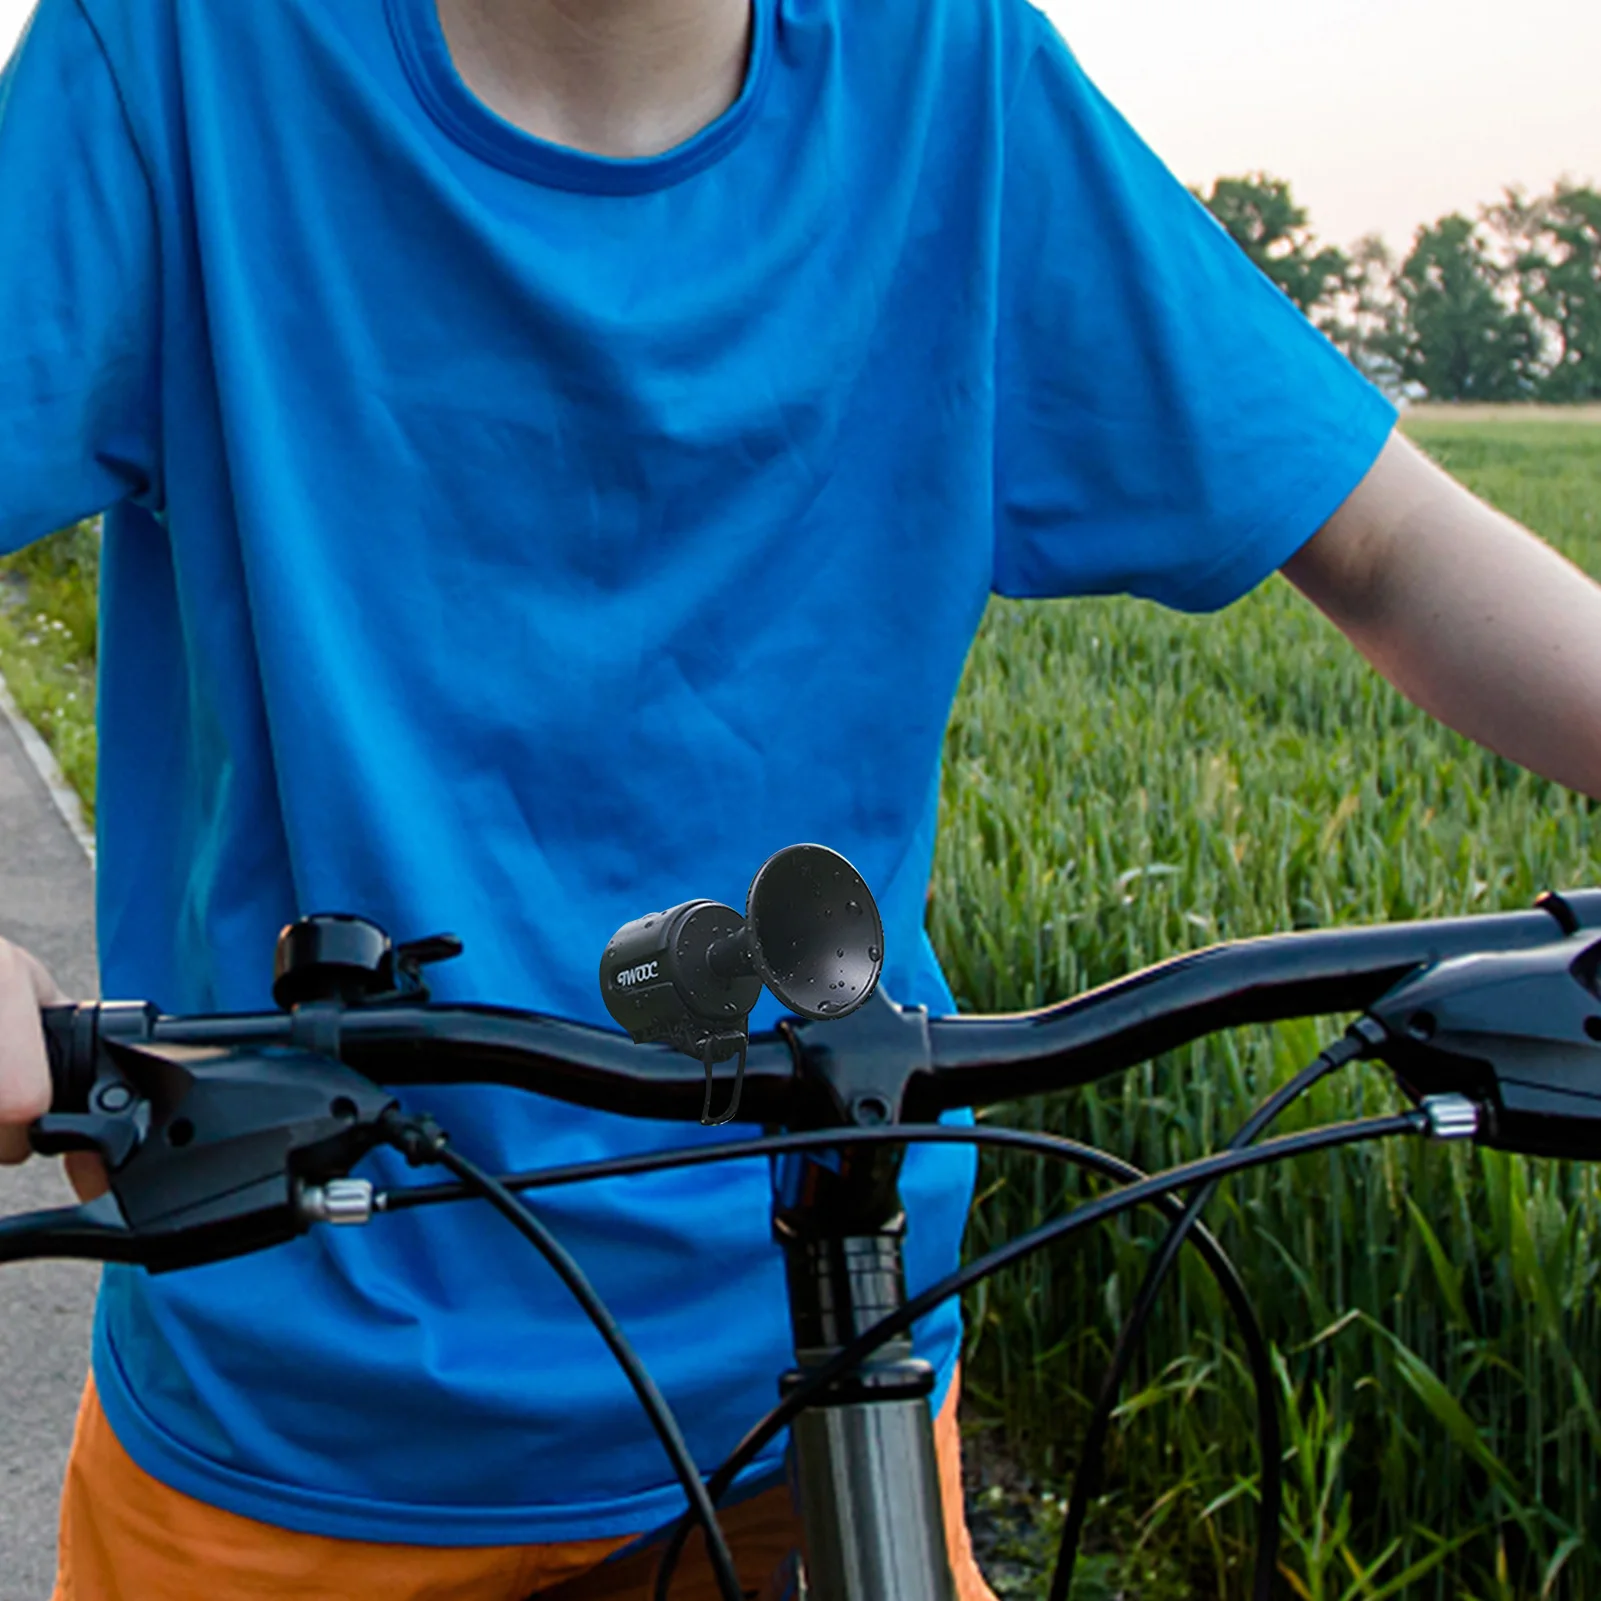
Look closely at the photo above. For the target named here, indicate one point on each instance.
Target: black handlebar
(1268, 980)
(1501, 1008)
(945, 1062)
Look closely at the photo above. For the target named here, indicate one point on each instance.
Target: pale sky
(1382, 114)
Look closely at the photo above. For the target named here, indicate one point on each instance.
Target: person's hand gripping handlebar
(25, 987)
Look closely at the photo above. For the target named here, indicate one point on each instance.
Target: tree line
(1502, 307)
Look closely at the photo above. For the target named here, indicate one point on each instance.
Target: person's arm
(80, 302)
(79, 381)
(1467, 613)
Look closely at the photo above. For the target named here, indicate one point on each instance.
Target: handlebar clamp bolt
(870, 1111)
(1451, 1117)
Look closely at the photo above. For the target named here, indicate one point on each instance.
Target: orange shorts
(127, 1537)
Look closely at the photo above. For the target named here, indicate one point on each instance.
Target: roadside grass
(48, 646)
(1123, 784)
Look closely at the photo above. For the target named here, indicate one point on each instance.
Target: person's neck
(624, 78)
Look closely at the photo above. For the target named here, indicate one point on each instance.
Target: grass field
(1123, 784)
(1431, 416)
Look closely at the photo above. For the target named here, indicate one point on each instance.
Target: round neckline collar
(420, 40)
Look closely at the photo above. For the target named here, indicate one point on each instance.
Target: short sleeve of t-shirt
(77, 395)
(1169, 424)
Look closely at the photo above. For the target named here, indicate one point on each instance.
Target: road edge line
(62, 795)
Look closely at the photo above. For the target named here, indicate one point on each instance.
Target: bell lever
(416, 954)
(690, 976)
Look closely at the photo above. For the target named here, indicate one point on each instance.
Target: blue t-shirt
(515, 541)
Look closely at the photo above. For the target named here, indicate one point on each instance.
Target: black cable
(1222, 1269)
(707, 1120)
(1087, 1480)
(419, 1140)
(775, 1145)
(1095, 1211)
(1268, 1437)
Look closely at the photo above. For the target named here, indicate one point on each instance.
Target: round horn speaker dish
(814, 931)
(691, 975)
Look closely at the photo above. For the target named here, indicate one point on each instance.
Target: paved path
(46, 904)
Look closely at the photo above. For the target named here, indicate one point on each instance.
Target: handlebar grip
(70, 1039)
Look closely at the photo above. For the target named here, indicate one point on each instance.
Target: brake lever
(1516, 1032)
(95, 1231)
(210, 1151)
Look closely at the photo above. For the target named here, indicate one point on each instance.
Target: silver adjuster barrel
(337, 1201)
(1451, 1117)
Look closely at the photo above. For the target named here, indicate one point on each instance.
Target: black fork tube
(862, 1464)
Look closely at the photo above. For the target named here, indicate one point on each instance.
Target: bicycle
(227, 1134)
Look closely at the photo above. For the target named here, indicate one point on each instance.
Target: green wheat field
(1124, 784)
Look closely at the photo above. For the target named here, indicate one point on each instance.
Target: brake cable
(1357, 1043)
(1103, 1207)
(421, 1141)
(1228, 1279)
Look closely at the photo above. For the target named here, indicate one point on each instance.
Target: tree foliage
(1462, 336)
(1557, 238)
(1367, 320)
(1262, 218)
(1502, 307)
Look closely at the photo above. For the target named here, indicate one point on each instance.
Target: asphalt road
(47, 905)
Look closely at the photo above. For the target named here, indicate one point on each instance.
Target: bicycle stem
(863, 1465)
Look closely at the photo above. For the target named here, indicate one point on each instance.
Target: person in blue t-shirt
(553, 456)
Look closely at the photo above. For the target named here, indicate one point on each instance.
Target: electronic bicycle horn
(689, 977)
